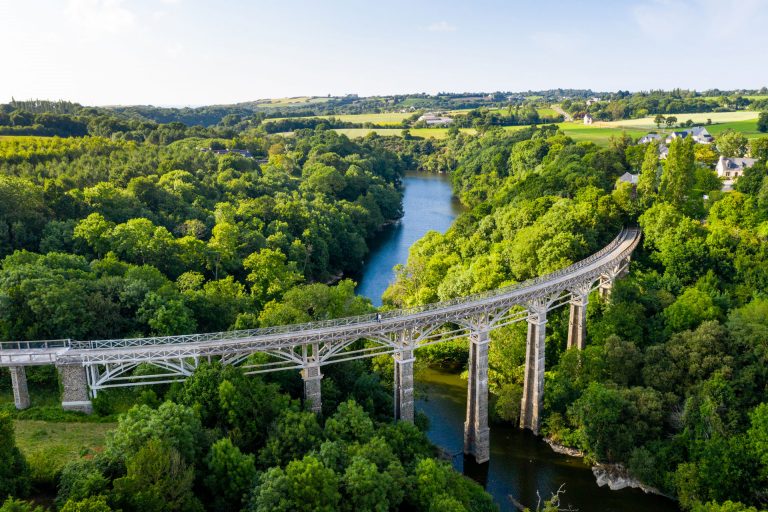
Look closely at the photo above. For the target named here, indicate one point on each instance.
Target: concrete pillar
(533, 385)
(404, 360)
(312, 388)
(19, 383)
(577, 321)
(476, 431)
(75, 388)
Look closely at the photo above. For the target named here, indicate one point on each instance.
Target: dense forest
(131, 227)
(673, 381)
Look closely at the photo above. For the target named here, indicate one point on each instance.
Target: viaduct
(85, 367)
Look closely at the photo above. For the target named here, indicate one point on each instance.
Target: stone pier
(605, 287)
(312, 388)
(74, 384)
(19, 383)
(577, 321)
(533, 385)
(312, 379)
(476, 431)
(404, 409)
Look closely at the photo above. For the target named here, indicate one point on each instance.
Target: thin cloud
(720, 20)
(101, 16)
(441, 26)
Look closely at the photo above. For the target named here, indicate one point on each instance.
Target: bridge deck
(273, 338)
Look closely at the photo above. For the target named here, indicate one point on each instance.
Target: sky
(195, 52)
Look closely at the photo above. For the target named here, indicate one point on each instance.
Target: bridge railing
(35, 345)
(360, 319)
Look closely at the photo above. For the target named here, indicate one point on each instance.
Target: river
(521, 464)
(428, 204)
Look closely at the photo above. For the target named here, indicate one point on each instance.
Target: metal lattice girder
(428, 324)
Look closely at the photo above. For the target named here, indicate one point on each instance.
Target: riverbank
(615, 476)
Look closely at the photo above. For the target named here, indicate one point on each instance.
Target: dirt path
(566, 116)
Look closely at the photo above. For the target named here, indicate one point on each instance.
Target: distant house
(629, 178)
(433, 119)
(733, 168)
(242, 152)
(663, 152)
(645, 139)
(676, 135)
(701, 135)
(593, 100)
(588, 119)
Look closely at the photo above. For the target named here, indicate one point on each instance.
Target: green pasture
(435, 133)
(598, 134)
(646, 123)
(49, 446)
(288, 102)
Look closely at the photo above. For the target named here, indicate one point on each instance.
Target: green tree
(175, 425)
(731, 143)
(762, 122)
(364, 488)
(158, 479)
(691, 308)
(648, 179)
(15, 505)
(81, 479)
(231, 475)
(758, 148)
(304, 485)
(14, 472)
(249, 406)
(294, 434)
(349, 423)
(270, 274)
(92, 504)
(659, 120)
(678, 174)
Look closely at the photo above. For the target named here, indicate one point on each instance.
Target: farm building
(433, 119)
(588, 119)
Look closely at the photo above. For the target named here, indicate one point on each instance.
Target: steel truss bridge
(86, 367)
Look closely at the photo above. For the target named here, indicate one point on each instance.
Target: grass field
(435, 133)
(600, 135)
(49, 446)
(646, 123)
(286, 102)
(601, 132)
(577, 131)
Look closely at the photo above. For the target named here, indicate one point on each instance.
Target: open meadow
(647, 123)
(48, 446)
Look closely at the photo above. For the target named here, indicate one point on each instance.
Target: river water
(521, 464)
(428, 204)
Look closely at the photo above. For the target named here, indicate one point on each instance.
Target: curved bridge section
(86, 367)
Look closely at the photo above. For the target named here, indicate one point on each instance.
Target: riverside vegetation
(134, 230)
